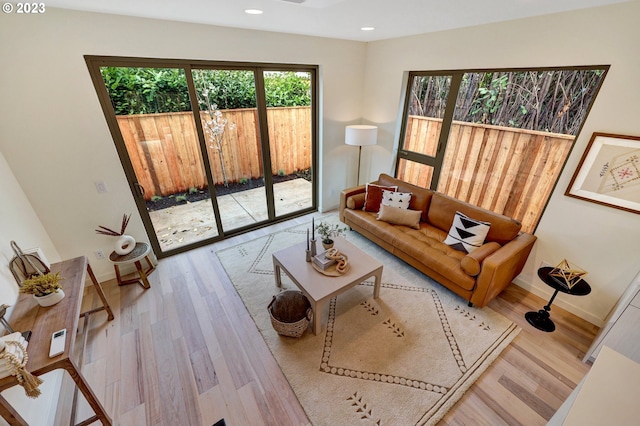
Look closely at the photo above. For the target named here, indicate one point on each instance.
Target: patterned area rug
(404, 358)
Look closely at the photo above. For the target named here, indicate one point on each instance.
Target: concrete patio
(180, 225)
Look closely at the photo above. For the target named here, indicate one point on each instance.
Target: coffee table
(318, 287)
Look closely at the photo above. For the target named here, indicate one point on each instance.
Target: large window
(494, 138)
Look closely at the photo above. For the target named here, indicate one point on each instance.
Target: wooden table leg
(143, 276)
(118, 277)
(98, 409)
(276, 273)
(317, 313)
(377, 283)
(100, 292)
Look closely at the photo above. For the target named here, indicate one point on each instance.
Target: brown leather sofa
(478, 276)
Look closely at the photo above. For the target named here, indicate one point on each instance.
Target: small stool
(140, 251)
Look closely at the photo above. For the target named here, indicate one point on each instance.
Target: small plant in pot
(46, 289)
(329, 232)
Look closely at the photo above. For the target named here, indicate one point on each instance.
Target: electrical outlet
(99, 254)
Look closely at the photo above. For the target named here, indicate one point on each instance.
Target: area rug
(404, 358)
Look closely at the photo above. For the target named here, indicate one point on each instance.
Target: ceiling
(340, 19)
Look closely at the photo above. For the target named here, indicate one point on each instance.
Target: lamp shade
(361, 135)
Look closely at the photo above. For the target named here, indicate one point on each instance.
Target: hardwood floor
(186, 352)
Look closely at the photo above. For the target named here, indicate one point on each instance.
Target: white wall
(55, 137)
(602, 240)
(19, 223)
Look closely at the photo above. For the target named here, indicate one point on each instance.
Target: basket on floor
(290, 313)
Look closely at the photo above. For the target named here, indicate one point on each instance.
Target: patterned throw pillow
(396, 199)
(373, 196)
(466, 234)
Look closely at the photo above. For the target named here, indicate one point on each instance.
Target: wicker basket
(302, 314)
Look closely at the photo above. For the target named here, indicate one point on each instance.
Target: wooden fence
(167, 159)
(503, 169)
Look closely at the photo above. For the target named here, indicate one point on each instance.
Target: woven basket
(299, 325)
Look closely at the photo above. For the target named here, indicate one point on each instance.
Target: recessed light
(368, 28)
(253, 11)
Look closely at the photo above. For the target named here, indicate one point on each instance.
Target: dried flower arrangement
(107, 231)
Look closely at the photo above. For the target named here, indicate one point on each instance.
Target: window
(494, 138)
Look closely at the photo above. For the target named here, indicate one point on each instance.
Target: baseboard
(564, 303)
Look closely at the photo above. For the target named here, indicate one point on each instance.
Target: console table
(42, 322)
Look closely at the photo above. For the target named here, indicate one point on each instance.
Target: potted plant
(329, 232)
(46, 289)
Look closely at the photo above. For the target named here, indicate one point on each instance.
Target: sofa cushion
(398, 216)
(373, 196)
(395, 199)
(467, 234)
(420, 198)
(355, 201)
(443, 208)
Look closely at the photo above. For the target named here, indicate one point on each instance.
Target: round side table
(541, 319)
(141, 251)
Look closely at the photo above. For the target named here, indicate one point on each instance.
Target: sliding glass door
(210, 150)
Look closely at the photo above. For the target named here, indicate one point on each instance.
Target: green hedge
(154, 90)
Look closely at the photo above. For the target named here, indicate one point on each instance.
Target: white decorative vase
(50, 299)
(125, 245)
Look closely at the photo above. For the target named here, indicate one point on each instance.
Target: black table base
(540, 320)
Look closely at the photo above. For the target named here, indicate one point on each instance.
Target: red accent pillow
(373, 196)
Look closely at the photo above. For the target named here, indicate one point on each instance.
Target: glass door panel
(416, 173)
(154, 115)
(229, 116)
(289, 126)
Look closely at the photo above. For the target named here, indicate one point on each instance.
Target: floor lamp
(360, 135)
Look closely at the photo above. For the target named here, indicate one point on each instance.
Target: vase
(125, 245)
(49, 299)
(327, 245)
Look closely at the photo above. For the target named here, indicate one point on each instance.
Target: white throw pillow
(396, 199)
(466, 234)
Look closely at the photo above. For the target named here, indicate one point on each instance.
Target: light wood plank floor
(186, 352)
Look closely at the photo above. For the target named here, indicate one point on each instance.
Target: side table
(541, 319)
(141, 251)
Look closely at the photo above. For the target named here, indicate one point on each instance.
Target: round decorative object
(327, 245)
(49, 299)
(125, 245)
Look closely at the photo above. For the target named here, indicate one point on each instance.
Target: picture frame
(609, 172)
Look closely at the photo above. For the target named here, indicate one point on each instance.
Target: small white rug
(404, 358)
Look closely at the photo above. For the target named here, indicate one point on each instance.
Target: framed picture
(609, 172)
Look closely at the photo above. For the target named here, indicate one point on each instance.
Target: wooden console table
(43, 322)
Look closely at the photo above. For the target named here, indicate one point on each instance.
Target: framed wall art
(609, 172)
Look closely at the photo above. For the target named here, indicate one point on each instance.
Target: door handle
(139, 189)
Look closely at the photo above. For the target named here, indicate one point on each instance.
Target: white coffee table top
(317, 285)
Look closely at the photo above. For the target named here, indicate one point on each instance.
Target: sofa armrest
(500, 268)
(351, 192)
(470, 264)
